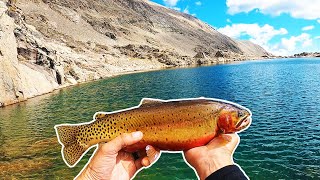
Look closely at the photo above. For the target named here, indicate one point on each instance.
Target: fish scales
(169, 126)
(173, 125)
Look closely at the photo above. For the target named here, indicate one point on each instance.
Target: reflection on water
(282, 143)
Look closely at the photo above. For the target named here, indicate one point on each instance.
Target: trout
(174, 125)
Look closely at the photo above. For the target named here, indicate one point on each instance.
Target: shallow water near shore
(282, 143)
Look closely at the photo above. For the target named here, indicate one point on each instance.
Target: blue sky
(282, 27)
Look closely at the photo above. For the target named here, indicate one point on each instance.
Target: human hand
(111, 162)
(215, 155)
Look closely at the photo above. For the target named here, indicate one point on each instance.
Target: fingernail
(137, 135)
(147, 148)
(156, 156)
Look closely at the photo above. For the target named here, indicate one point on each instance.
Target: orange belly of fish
(172, 146)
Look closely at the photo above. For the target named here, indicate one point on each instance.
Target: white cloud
(176, 8)
(170, 3)
(186, 10)
(291, 43)
(306, 9)
(262, 35)
(198, 3)
(318, 21)
(229, 21)
(307, 28)
(257, 34)
(317, 37)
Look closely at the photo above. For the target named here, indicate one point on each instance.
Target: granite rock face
(46, 45)
(19, 80)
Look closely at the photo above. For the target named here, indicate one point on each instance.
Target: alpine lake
(283, 141)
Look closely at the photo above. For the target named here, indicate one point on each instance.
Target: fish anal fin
(150, 102)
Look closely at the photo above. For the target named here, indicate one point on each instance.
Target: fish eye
(240, 114)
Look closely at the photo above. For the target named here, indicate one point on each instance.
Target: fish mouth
(244, 122)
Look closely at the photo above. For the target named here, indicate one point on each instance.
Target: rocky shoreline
(46, 46)
(306, 55)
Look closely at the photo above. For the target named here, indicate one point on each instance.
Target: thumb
(120, 142)
(232, 141)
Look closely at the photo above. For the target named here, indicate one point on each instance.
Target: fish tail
(72, 150)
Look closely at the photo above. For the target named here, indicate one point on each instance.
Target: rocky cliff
(45, 45)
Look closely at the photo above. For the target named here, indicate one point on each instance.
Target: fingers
(147, 157)
(142, 162)
(229, 140)
(120, 142)
(232, 139)
(152, 153)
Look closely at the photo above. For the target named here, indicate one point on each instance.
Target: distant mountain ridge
(55, 43)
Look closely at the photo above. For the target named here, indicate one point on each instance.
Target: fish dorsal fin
(150, 102)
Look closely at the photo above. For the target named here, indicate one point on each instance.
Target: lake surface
(283, 141)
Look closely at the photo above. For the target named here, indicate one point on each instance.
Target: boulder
(200, 55)
(219, 54)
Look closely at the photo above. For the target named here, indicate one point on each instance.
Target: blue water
(283, 141)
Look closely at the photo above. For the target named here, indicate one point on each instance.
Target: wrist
(209, 167)
(86, 175)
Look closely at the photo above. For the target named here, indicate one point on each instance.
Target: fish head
(233, 119)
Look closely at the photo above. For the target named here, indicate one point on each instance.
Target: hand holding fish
(111, 162)
(195, 126)
(215, 155)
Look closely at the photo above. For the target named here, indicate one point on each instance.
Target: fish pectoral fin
(150, 102)
(153, 154)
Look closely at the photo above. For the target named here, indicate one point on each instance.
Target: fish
(170, 125)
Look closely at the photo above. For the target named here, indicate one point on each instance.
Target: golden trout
(174, 125)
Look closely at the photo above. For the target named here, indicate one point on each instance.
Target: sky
(282, 27)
